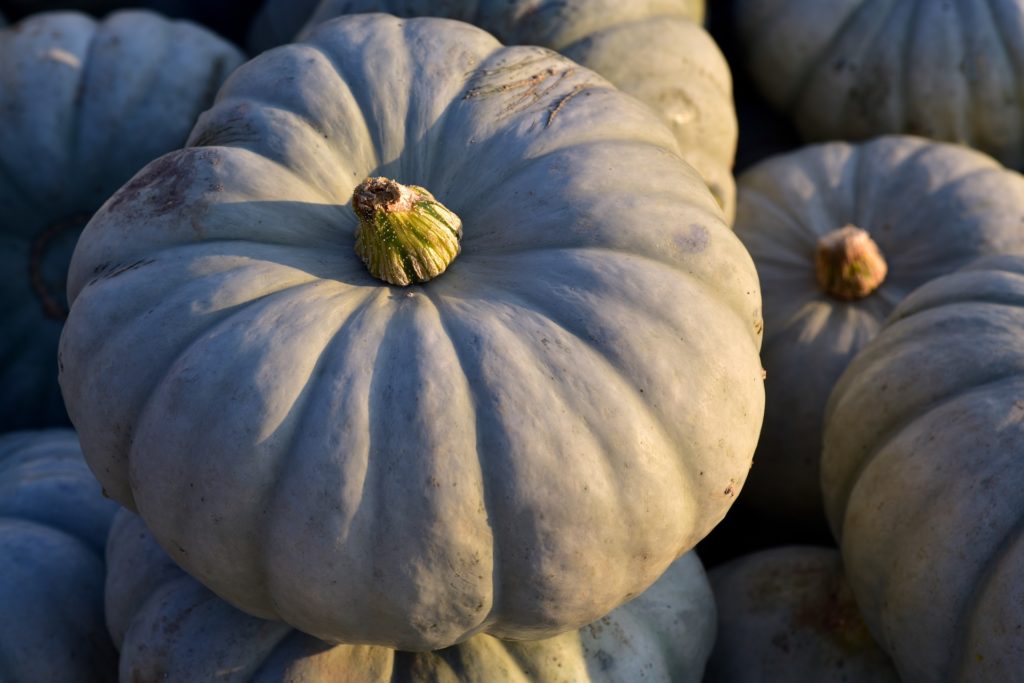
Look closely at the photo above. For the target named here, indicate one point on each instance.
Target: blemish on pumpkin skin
(695, 240)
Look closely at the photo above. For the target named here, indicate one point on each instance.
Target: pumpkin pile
(422, 341)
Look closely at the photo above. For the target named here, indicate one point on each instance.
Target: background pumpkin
(279, 21)
(787, 614)
(930, 208)
(923, 479)
(855, 69)
(654, 50)
(84, 105)
(229, 18)
(169, 628)
(288, 420)
(53, 528)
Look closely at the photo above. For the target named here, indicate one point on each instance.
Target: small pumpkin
(787, 614)
(840, 233)
(856, 69)
(514, 447)
(84, 105)
(923, 478)
(53, 528)
(654, 50)
(169, 628)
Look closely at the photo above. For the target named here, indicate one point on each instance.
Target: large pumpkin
(83, 106)
(855, 69)
(924, 481)
(169, 628)
(654, 50)
(787, 614)
(840, 233)
(516, 446)
(53, 528)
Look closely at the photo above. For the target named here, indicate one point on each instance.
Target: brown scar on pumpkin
(531, 89)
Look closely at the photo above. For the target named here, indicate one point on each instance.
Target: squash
(923, 481)
(228, 18)
(856, 69)
(169, 628)
(279, 21)
(654, 50)
(922, 209)
(787, 614)
(84, 105)
(53, 528)
(514, 447)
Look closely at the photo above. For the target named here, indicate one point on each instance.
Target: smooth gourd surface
(855, 69)
(53, 528)
(930, 207)
(85, 104)
(923, 480)
(169, 628)
(787, 614)
(515, 447)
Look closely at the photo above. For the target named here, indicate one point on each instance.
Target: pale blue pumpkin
(83, 106)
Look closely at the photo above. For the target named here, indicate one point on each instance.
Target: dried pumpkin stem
(848, 263)
(405, 236)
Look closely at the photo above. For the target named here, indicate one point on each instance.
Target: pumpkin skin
(930, 207)
(279, 21)
(931, 540)
(53, 527)
(84, 105)
(855, 69)
(688, 84)
(787, 614)
(227, 17)
(533, 420)
(169, 628)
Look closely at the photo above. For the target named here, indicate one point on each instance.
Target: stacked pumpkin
(842, 233)
(425, 356)
(443, 427)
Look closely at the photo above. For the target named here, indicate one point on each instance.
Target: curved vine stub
(405, 236)
(848, 264)
(49, 254)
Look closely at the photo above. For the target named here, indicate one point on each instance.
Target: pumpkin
(227, 17)
(84, 106)
(279, 21)
(923, 481)
(840, 234)
(787, 614)
(169, 628)
(855, 69)
(53, 528)
(514, 447)
(654, 50)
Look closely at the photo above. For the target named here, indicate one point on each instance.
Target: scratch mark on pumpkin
(576, 90)
(525, 91)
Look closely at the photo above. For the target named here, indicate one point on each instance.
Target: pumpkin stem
(405, 236)
(848, 263)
